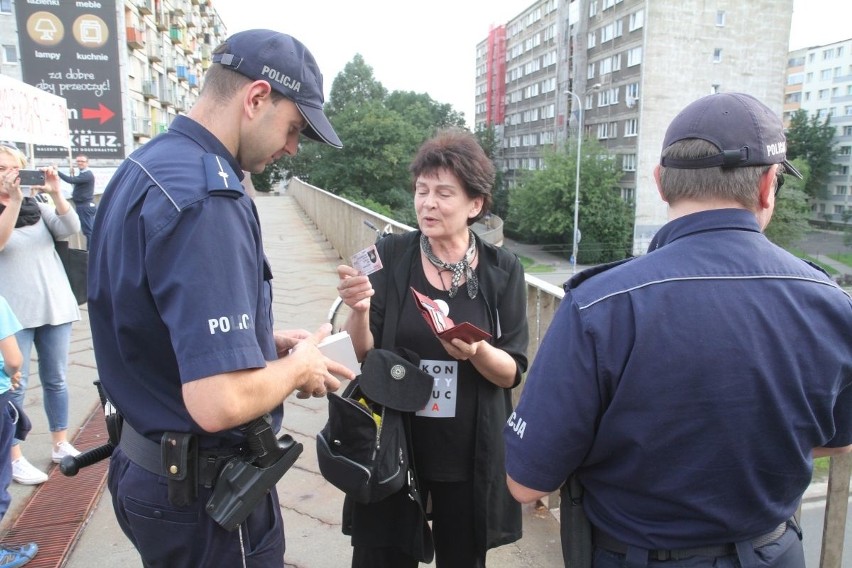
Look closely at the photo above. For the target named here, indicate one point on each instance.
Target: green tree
(790, 218)
(542, 205)
(812, 141)
(423, 112)
(380, 133)
(354, 85)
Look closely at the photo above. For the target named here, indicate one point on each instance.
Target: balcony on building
(149, 89)
(141, 126)
(135, 38)
(167, 98)
(145, 7)
(163, 22)
(176, 34)
(182, 73)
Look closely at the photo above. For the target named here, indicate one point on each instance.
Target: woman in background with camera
(33, 281)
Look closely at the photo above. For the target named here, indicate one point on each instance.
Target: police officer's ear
(659, 184)
(258, 93)
(766, 188)
(766, 197)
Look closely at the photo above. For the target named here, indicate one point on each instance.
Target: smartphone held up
(31, 177)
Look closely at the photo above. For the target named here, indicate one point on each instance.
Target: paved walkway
(304, 286)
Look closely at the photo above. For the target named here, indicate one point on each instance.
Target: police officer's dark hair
(221, 83)
(457, 151)
(737, 184)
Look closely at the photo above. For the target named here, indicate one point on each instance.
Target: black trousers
(453, 530)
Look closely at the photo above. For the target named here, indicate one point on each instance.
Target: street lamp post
(577, 183)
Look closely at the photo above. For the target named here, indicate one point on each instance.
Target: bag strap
(414, 491)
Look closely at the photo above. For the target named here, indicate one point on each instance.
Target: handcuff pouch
(180, 466)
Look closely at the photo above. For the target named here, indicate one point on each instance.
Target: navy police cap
(289, 68)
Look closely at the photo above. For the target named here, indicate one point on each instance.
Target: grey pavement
(304, 286)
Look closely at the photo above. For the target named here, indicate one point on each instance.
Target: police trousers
(786, 552)
(170, 536)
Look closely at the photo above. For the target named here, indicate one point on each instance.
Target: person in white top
(34, 282)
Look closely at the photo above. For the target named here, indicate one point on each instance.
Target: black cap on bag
(395, 380)
(290, 69)
(745, 130)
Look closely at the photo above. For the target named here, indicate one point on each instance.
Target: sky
(430, 47)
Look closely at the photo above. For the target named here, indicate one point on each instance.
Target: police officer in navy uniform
(83, 194)
(689, 389)
(180, 306)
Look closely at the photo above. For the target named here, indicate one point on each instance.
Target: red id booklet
(442, 325)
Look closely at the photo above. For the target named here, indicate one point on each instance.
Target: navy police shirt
(178, 282)
(688, 387)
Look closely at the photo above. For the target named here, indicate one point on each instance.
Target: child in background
(11, 360)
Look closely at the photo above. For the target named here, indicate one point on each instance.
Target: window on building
(607, 130)
(590, 71)
(608, 4)
(793, 98)
(10, 54)
(628, 194)
(840, 190)
(847, 130)
(628, 162)
(825, 75)
(592, 39)
(720, 18)
(843, 170)
(593, 8)
(717, 55)
(631, 91)
(634, 56)
(845, 151)
(847, 110)
(637, 20)
(631, 127)
(822, 94)
(608, 97)
(836, 72)
(840, 51)
(795, 78)
(827, 54)
(605, 66)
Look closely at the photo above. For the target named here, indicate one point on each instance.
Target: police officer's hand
(318, 377)
(354, 288)
(285, 340)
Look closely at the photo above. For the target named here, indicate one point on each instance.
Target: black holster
(180, 466)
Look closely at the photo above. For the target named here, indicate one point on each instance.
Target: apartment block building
(819, 81)
(125, 67)
(632, 65)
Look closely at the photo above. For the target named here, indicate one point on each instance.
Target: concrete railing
(341, 221)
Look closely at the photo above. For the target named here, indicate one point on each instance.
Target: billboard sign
(70, 49)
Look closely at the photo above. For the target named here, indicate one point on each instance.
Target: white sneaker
(26, 473)
(61, 450)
